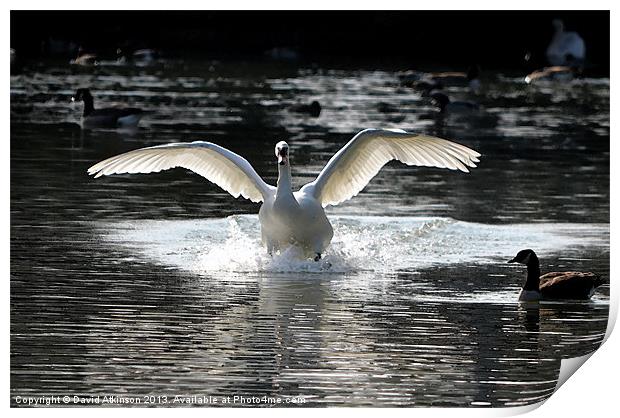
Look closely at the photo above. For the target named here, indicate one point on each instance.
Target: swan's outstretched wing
(228, 170)
(351, 168)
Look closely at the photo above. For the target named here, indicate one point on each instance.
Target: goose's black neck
(533, 273)
(88, 103)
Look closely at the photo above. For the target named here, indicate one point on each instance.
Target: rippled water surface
(157, 284)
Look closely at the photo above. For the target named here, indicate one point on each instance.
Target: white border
(592, 391)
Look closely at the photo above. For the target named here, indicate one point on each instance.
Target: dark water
(157, 285)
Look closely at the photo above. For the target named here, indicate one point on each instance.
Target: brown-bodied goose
(554, 285)
(106, 118)
(555, 73)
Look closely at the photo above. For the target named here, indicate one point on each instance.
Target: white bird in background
(297, 218)
(566, 48)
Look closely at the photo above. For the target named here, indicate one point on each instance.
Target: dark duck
(127, 117)
(447, 105)
(313, 109)
(555, 285)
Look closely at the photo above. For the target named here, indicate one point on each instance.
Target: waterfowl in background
(555, 73)
(470, 79)
(434, 81)
(144, 57)
(313, 109)
(392, 112)
(297, 218)
(446, 105)
(119, 60)
(554, 285)
(108, 117)
(284, 53)
(84, 59)
(565, 48)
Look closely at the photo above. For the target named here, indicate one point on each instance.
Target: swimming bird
(565, 48)
(471, 78)
(313, 109)
(106, 118)
(144, 57)
(447, 105)
(555, 73)
(554, 285)
(426, 82)
(297, 218)
(84, 59)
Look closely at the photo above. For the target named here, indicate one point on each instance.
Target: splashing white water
(381, 244)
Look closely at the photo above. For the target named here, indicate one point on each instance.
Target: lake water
(157, 285)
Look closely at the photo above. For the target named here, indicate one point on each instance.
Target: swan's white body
(294, 219)
(566, 48)
(297, 218)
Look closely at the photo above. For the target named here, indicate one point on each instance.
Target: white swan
(298, 218)
(566, 48)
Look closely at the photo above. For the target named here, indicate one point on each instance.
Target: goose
(296, 218)
(84, 59)
(145, 57)
(565, 48)
(555, 73)
(108, 117)
(471, 78)
(434, 81)
(554, 285)
(446, 105)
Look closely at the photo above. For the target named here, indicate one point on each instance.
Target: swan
(127, 117)
(566, 48)
(296, 218)
(554, 285)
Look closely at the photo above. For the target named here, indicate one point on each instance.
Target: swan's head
(558, 25)
(524, 257)
(282, 152)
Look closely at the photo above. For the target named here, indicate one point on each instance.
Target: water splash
(371, 244)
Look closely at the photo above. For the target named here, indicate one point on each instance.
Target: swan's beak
(283, 156)
(512, 261)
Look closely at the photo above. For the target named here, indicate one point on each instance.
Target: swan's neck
(533, 274)
(285, 187)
